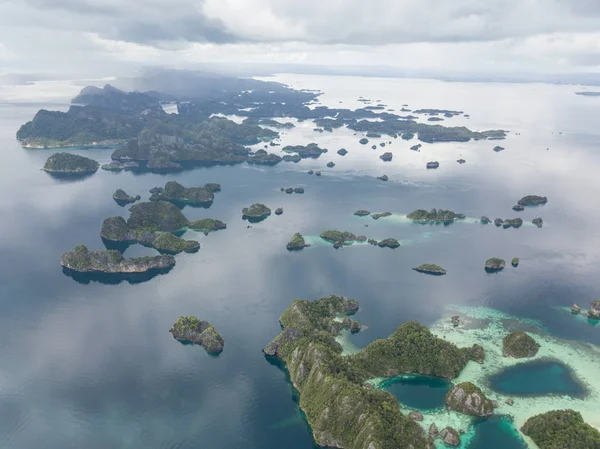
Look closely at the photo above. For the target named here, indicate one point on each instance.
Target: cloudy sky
(112, 37)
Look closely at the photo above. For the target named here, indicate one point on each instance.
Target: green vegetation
(156, 216)
(256, 212)
(515, 262)
(176, 193)
(312, 150)
(70, 163)
(297, 242)
(430, 268)
(207, 225)
(532, 200)
(561, 429)
(111, 262)
(191, 329)
(338, 237)
(377, 216)
(519, 344)
(388, 243)
(122, 198)
(341, 410)
(434, 216)
(171, 244)
(494, 264)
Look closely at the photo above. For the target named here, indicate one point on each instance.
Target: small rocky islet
(68, 163)
(297, 243)
(561, 429)
(290, 190)
(122, 198)
(494, 264)
(434, 216)
(193, 196)
(83, 260)
(519, 344)
(189, 329)
(256, 212)
(429, 268)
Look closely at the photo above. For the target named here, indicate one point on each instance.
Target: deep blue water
(419, 392)
(496, 432)
(93, 365)
(537, 378)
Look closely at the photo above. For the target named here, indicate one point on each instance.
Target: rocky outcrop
(297, 243)
(195, 196)
(342, 152)
(450, 437)
(383, 178)
(379, 215)
(122, 198)
(515, 262)
(82, 260)
(561, 429)
(168, 243)
(330, 164)
(120, 166)
(386, 157)
(389, 243)
(498, 148)
(207, 225)
(575, 309)
(433, 164)
(429, 268)
(518, 208)
(416, 415)
(538, 222)
(416, 147)
(484, 220)
(363, 141)
(434, 216)
(256, 212)
(519, 345)
(68, 163)
(461, 161)
(532, 200)
(594, 310)
(190, 329)
(279, 211)
(312, 150)
(469, 399)
(362, 213)
(494, 264)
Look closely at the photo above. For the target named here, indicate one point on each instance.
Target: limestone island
(122, 198)
(149, 221)
(386, 157)
(518, 208)
(193, 196)
(519, 344)
(467, 398)
(330, 164)
(82, 260)
(67, 163)
(379, 215)
(429, 268)
(363, 141)
(383, 178)
(485, 220)
(362, 213)
(297, 243)
(388, 243)
(341, 238)
(461, 161)
(561, 429)
(343, 410)
(434, 164)
(494, 264)
(434, 216)
(509, 222)
(594, 310)
(498, 148)
(416, 147)
(189, 329)
(342, 152)
(515, 262)
(256, 212)
(120, 166)
(279, 211)
(168, 243)
(312, 150)
(532, 200)
(538, 222)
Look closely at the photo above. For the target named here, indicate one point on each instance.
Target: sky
(117, 37)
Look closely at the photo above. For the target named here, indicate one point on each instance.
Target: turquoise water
(495, 432)
(419, 392)
(537, 378)
(93, 365)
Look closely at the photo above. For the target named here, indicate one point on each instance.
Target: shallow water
(537, 378)
(93, 365)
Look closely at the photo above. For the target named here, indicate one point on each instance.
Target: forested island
(340, 408)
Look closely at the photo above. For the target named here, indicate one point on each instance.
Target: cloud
(109, 37)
